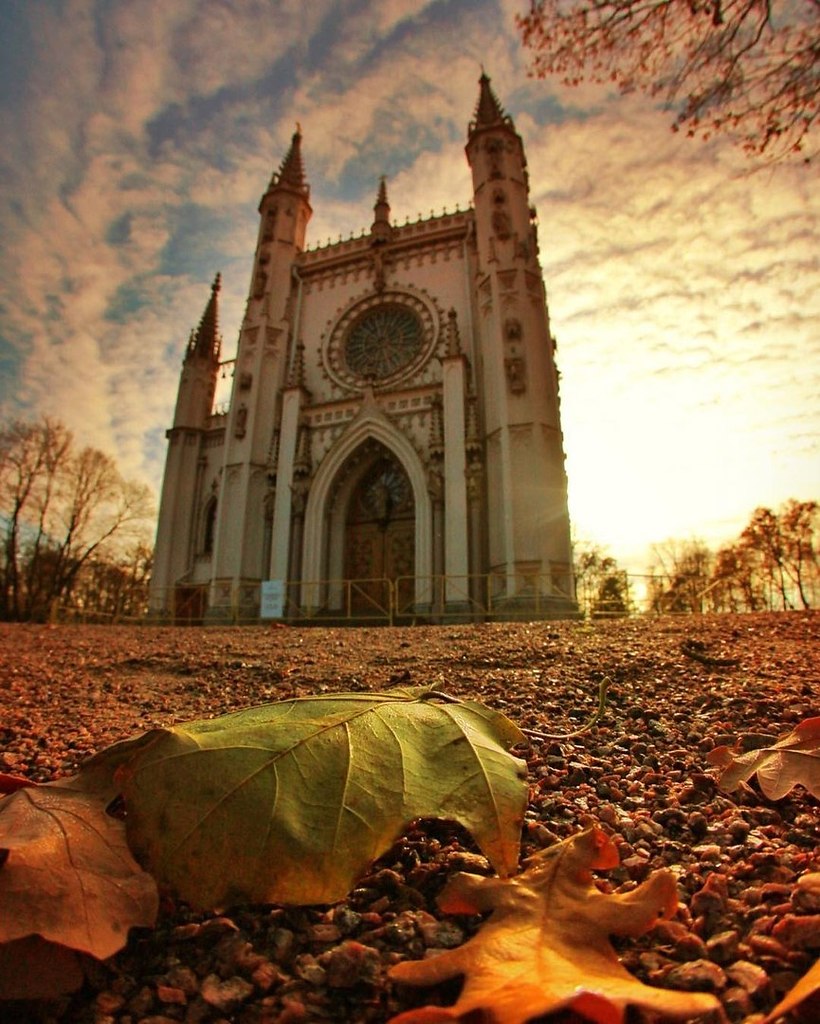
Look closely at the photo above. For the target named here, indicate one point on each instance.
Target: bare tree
(602, 586)
(784, 546)
(750, 68)
(735, 585)
(679, 577)
(31, 458)
(59, 509)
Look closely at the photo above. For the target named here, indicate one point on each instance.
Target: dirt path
(679, 686)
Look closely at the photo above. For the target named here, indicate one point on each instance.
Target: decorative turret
(205, 342)
(381, 230)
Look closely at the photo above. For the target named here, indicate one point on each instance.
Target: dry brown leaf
(32, 968)
(808, 987)
(68, 875)
(546, 945)
(791, 761)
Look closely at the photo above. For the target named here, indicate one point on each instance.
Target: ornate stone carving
(516, 374)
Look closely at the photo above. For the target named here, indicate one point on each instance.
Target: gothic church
(393, 447)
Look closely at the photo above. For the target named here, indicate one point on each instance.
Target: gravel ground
(679, 686)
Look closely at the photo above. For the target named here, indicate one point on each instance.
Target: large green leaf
(290, 802)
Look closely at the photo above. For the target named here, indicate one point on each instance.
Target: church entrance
(380, 536)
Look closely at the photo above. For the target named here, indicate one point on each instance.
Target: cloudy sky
(138, 136)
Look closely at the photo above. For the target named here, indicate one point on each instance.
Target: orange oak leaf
(791, 761)
(66, 873)
(546, 945)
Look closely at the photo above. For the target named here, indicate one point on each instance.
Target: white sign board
(272, 599)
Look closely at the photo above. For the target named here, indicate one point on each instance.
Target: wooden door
(379, 536)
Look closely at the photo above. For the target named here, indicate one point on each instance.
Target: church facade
(393, 446)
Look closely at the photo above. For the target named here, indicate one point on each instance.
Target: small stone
(352, 963)
(696, 976)
(799, 932)
(711, 898)
(217, 928)
(737, 1003)
(109, 1002)
(141, 1003)
(310, 970)
(183, 978)
(708, 852)
(325, 933)
(171, 994)
(806, 894)
(750, 977)
(265, 975)
(225, 995)
(282, 942)
(723, 947)
(441, 934)
(294, 1012)
(698, 824)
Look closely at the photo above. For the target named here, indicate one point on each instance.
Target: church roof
(206, 341)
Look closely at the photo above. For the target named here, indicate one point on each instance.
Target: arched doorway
(380, 529)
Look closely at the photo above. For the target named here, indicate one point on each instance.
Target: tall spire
(206, 342)
(488, 111)
(292, 170)
(381, 229)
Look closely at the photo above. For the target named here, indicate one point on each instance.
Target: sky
(683, 281)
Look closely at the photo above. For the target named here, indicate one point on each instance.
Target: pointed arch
(323, 522)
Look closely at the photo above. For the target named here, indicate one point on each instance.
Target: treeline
(74, 532)
(774, 565)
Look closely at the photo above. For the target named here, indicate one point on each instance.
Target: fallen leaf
(546, 944)
(32, 968)
(67, 874)
(290, 802)
(807, 987)
(793, 760)
(11, 783)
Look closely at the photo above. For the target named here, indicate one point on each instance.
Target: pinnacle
(488, 110)
(381, 230)
(381, 198)
(206, 342)
(292, 169)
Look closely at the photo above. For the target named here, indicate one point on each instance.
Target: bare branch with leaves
(746, 68)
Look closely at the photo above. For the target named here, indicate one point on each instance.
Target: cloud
(683, 292)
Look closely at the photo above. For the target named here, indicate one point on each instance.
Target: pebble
(225, 995)
(752, 978)
(799, 932)
(722, 947)
(696, 976)
(171, 994)
(806, 894)
(352, 963)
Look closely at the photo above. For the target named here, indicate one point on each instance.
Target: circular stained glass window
(382, 341)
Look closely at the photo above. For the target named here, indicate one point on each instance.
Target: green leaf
(290, 802)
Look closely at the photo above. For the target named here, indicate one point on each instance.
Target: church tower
(528, 523)
(261, 393)
(182, 484)
(392, 450)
